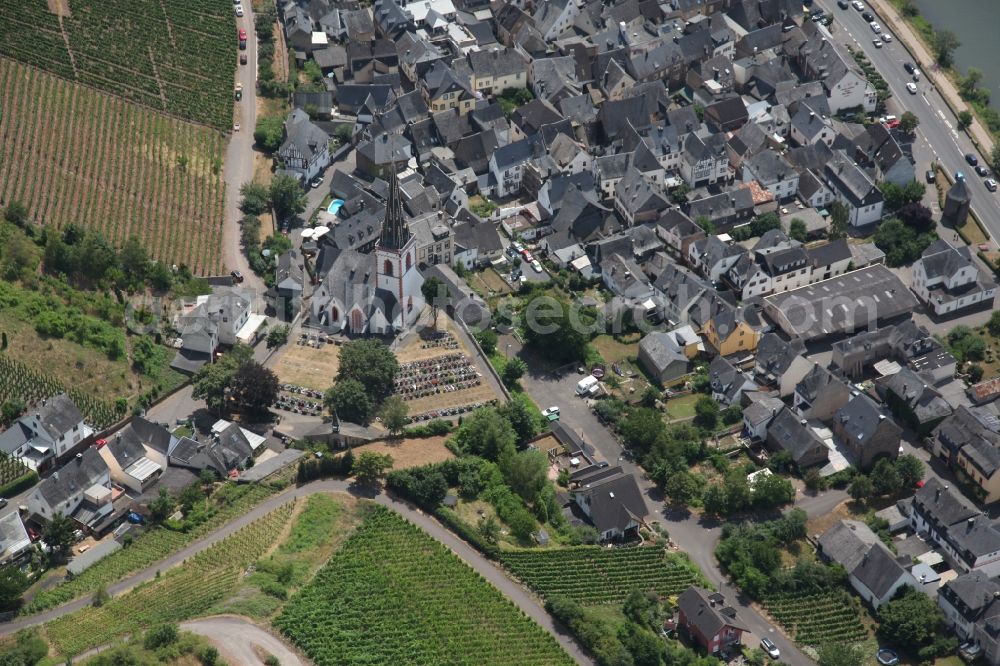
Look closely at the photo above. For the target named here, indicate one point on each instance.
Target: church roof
(395, 231)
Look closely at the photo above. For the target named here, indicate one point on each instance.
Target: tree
(20, 257)
(839, 218)
(513, 370)
(161, 636)
(489, 529)
(58, 535)
(11, 409)
(901, 244)
(370, 467)
(525, 472)
(861, 488)
(558, 330)
(908, 122)
(975, 372)
(706, 412)
(885, 480)
(642, 429)
(841, 654)
(487, 339)
(394, 414)
(269, 133)
(897, 196)
(349, 401)
(16, 213)
(910, 619)
(13, 583)
(212, 382)
(162, 506)
(486, 434)
(343, 133)
(714, 500)
(277, 336)
(797, 230)
(522, 419)
(964, 119)
(682, 487)
(910, 470)
(993, 325)
(287, 197)
(434, 292)
(372, 363)
(429, 489)
(256, 198)
(916, 216)
(772, 490)
(944, 43)
(995, 156)
(254, 388)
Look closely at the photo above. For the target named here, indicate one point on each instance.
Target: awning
(142, 469)
(246, 332)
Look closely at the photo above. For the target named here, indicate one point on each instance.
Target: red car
(243, 34)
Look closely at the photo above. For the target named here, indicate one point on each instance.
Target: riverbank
(914, 34)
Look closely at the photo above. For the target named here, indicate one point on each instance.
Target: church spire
(395, 231)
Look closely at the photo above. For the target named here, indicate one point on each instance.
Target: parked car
(316, 182)
(537, 266)
(971, 159)
(770, 648)
(930, 176)
(911, 88)
(551, 413)
(843, 4)
(860, 6)
(982, 171)
(239, 91)
(990, 184)
(237, 276)
(3, 502)
(868, 16)
(886, 37)
(916, 74)
(243, 58)
(239, 10)
(877, 42)
(236, 127)
(876, 28)
(959, 175)
(909, 67)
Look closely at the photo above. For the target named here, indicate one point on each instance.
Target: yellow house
(496, 69)
(442, 89)
(729, 334)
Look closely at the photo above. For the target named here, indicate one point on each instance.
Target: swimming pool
(334, 206)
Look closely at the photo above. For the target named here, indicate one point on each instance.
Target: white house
(80, 489)
(507, 165)
(872, 570)
(945, 279)
(305, 151)
(855, 189)
(47, 432)
(137, 454)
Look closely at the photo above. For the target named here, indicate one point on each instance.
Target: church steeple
(395, 231)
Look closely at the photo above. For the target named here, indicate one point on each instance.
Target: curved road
(472, 557)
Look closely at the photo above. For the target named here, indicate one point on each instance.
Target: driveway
(242, 642)
(238, 167)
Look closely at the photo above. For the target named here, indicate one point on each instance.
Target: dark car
(817, 15)
(910, 67)
(931, 176)
(982, 171)
(237, 276)
(843, 4)
(243, 58)
(868, 16)
(971, 159)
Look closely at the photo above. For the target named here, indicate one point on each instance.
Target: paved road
(695, 536)
(528, 604)
(239, 165)
(937, 124)
(237, 638)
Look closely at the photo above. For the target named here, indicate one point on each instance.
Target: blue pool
(334, 206)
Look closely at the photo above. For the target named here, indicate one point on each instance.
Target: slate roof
(497, 62)
(662, 350)
(58, 415)
(967, 431)
(774, 356)
(861, 419)
(513, 154)
(787, 433)
(701, 610)
(614, 502)
(73, 478)
(926, 403)
(847, 542)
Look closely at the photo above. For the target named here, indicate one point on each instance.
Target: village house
(708, 620)
(946, 279)
(872, 570)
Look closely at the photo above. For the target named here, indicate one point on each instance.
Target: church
(377, 292)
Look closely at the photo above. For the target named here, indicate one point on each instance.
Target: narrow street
(239, 163)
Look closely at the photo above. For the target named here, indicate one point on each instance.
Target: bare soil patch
(411, 452)
(59, 7)
(311, 367)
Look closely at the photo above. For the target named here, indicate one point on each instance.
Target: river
(975, 22)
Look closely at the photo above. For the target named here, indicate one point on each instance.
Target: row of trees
(285, 196)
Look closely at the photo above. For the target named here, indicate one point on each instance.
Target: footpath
(925, 60)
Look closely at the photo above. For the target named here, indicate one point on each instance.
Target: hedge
(19, 484)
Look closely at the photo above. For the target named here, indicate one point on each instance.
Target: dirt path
(241, 642)
(280, 64)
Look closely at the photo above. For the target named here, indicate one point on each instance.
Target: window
(334, 313)
(387, 268)
(409, 304)
(409, 261)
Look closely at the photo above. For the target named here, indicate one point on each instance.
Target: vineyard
(392, 594)
(11, 469)
(18, 382)
(818, 619)
(74, 155)
(181, 594)
(176, 56)
(145, 550)
(592, 575)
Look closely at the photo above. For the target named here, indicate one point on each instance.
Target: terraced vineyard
(19, 382)
(179, 595)
(592, 575)
(176, 56)
(74, 155)
(392, 594)
(818, 619)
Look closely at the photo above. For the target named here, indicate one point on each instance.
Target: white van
(586, 385)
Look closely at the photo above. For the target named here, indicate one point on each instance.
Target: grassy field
(392, 594)
(311, 367)
(411, 452)
(75, 155)
(682, 407)
(176, 56)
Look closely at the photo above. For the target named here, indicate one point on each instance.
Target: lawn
(682, 407)
(411, 452)
(311, 367)
(623, 353)
(392, 594)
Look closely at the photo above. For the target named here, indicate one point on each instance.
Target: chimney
(937, 494)
(970, 522)
(715, 73)
(79, 456)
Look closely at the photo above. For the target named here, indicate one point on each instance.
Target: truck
(586, 385)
